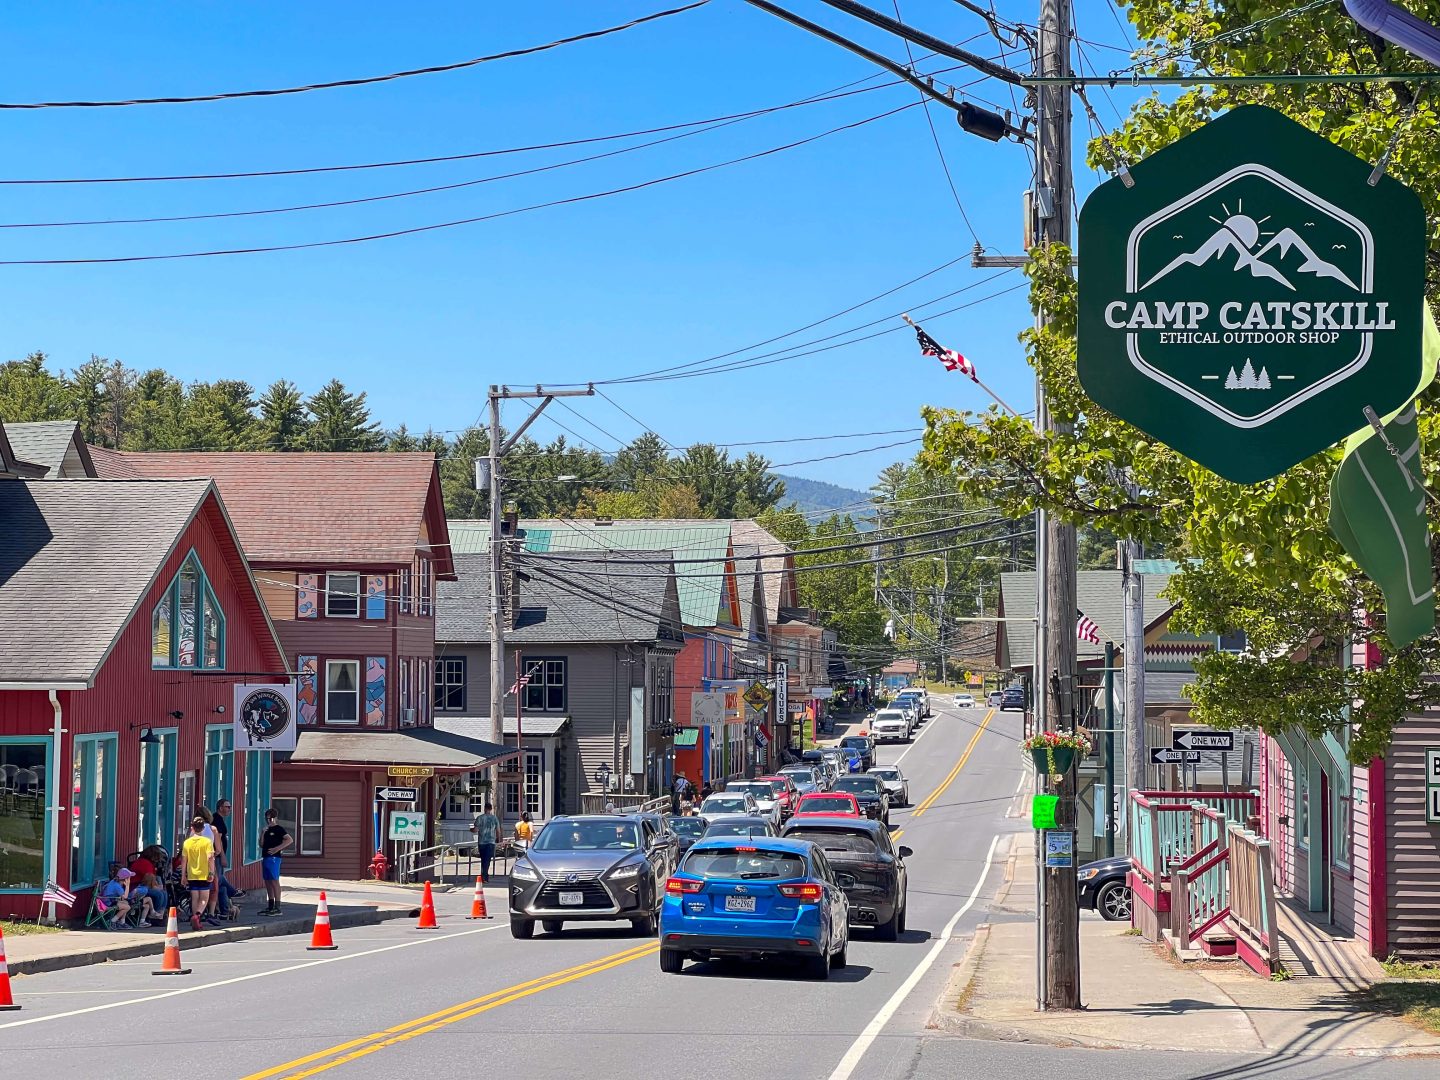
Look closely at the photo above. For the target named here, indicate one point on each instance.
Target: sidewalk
(351, 903)
(1136, 997)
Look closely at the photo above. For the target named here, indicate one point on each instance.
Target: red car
(829, 803)
(786, 793)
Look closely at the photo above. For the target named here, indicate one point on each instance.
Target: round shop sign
(1250, 294)
(265, 715)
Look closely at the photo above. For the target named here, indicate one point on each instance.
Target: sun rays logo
(1261, 284)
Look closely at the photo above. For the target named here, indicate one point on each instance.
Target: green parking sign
(1251, 294)
(406, 825)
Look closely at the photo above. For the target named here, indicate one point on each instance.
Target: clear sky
(604, 288)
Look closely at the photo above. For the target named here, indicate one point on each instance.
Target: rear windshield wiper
(756, 874)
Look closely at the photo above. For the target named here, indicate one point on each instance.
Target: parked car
(863, 743)
(1105, 887)
(730, 802)
(739, 825)
(869, 867)
(818, 760)
(594, 867)
(921, 697)
(896, 785)
(994, 698)
(828, 802)
(758, 900)
(890, 725)
(785, 791)
(964, 701)
(869, 792)
(805, 778)
(909, 709)
(687, 829)
(854, 761)
(1012, 699)
(764, 795)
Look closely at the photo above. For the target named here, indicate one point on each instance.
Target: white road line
(857, 1050)
(150, 996)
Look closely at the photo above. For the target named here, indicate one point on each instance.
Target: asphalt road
(468, 1000)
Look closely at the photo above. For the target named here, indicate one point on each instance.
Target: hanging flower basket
(1054, 752)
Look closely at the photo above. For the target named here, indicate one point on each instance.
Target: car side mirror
(905, 852)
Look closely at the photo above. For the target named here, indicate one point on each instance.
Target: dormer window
(342, 596)
(187, 627)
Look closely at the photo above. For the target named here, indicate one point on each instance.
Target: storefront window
(257, 800)
(92, 841)
(467, 796)
(23, 765)
(157, 789)
(219, 765)
(533, 761)
(1302, 806)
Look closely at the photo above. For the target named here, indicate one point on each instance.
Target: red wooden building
(128, 614)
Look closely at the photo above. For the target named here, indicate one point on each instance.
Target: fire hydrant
(379, 868)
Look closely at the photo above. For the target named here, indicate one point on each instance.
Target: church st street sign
(1251, 294)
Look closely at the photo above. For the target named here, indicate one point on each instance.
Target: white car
(894, 782)
(730, 802)
(891, 725)
(762, 793)
(964, 701)
(994, 698)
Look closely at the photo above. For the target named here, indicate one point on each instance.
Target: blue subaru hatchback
(754, 897)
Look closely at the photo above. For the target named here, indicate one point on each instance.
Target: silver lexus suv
(593, 868)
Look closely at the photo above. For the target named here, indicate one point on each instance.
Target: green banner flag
(1377, 510)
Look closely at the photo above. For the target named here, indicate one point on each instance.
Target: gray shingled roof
(566, 602)
(1098, 593)
(46, 442)
(76, 557)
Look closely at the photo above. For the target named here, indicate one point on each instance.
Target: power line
(365, 81)
(414, 230)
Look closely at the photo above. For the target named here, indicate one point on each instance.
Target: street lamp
(602, 777)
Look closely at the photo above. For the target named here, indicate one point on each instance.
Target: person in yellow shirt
(525, 829)
(198, 854)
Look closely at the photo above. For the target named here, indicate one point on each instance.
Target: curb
(191, 940)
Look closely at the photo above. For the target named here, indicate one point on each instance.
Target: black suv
(593, 868)
(867, 865)
(1013, 698)
(863, 743)
(869, 792)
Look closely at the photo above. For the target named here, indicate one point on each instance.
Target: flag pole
(973, 378)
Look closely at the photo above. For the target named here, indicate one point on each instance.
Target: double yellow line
(969, 749)
(346, 1052)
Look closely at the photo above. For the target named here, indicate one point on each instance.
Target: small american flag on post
(952, 360)
(1085, 628)
(63, 897)
(522, 682)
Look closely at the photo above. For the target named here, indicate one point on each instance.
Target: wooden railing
(1252, 898)
(1170, 829)
(1202, 896)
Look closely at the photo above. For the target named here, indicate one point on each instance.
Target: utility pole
(1061, 913)
(495, 458)
(1136, 757)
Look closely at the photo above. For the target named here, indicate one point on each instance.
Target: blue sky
(610, 287)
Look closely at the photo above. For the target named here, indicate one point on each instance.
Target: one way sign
(1202, 740)
(1160, 755)
(396, 794)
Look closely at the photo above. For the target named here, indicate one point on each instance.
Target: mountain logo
(1240, 235)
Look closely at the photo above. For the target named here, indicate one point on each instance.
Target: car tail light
(807, 891)
(679, 886)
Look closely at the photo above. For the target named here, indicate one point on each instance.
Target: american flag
(61, 896)
(523, 681)
(1085, 628)
(952, 360)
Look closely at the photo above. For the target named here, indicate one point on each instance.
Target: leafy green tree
(340, 421)
(284, 424)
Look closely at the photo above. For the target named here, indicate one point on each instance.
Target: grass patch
(1415, 1002)
(20, 929)
(1134, 931)
(1402, 969)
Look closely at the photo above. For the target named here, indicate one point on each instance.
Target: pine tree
(340, 421)
(29, 392)
(1247, 376)
(283, 423)
(1231, 382)
(1264, 382)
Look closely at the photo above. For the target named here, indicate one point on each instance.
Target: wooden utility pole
(1061, 914)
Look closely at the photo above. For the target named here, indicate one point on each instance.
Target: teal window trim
(91, 858)
(219, 766)
(203, 593)
(159, 761)
(47, 746)
(257, 801)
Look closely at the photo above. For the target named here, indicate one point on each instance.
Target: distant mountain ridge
(816, 495)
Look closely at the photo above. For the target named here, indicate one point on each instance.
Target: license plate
(572, 898)
(739, 903)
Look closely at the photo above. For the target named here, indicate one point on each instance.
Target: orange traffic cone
(170, 965)
(477, 906)
(7, 1003)
(427, 912)
(320, 937)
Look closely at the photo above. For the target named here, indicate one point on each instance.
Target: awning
(418, 746)
(687, 736)
(544, 726)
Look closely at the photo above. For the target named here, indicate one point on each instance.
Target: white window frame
(443, 683)
(317, 804)
(342, 723)
(331, 593)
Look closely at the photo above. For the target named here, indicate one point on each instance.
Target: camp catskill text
(1185, 318)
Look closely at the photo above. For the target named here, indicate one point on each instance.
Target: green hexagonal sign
(1250, 294)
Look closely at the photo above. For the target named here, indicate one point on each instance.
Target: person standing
(525, 829)
(487, 834)
(220, 822)
(273, 841)
(198, 865)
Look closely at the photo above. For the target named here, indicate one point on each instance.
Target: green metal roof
(687, 736)
(700, 584)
